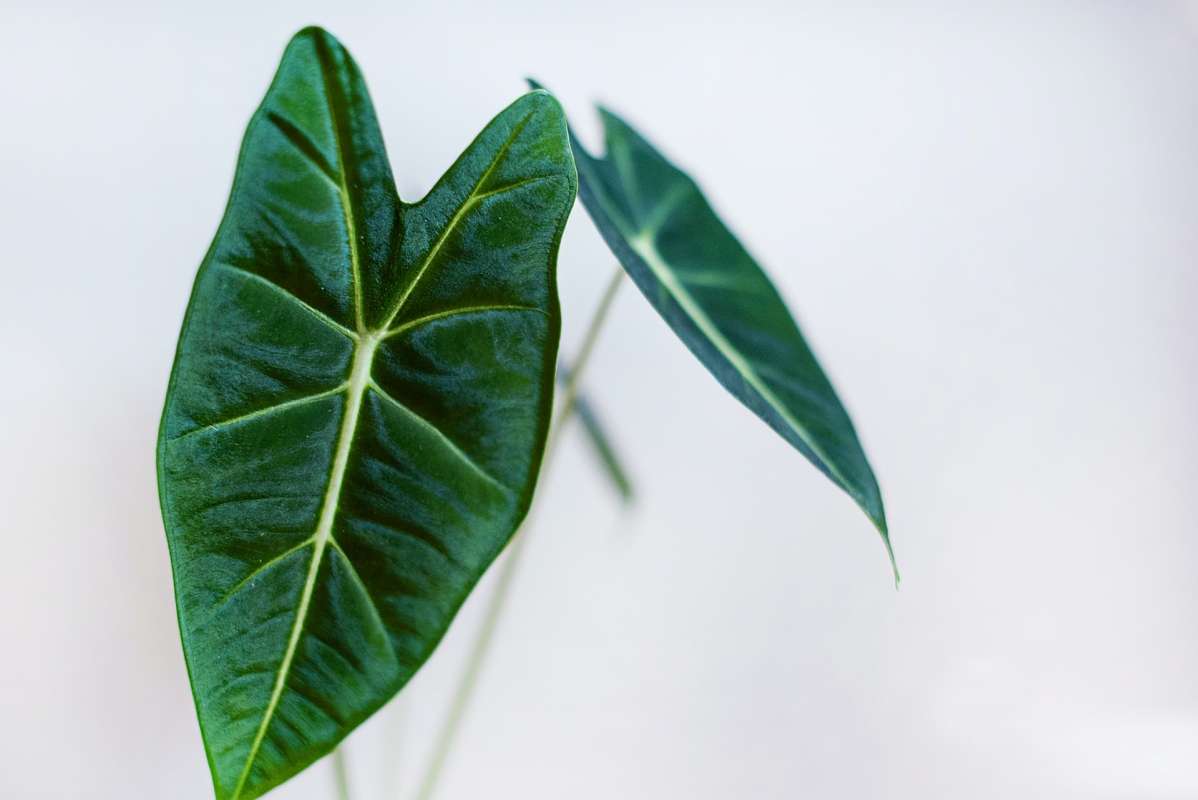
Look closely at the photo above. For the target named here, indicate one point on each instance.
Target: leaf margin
(640, 268)
(522, 499)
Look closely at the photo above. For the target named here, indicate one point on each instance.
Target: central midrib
(359, 380)
(643, 245)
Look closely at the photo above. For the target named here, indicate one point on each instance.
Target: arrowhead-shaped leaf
(357, 410)
(722, 305)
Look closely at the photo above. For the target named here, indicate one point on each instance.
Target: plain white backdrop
(984, 216)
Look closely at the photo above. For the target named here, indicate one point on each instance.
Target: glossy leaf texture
(357, 410)
(720, 302)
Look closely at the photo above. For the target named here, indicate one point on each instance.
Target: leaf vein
(271, 409)
(471, 199)
(376, 614)
(511, 187)
(261, 568)
(323, 317)
(333, 100)
(307, 148)
(453, 312)
(358, 380)
(405, 529)
(450, 444)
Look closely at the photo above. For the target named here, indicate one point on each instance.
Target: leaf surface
(357, 410)
(720, 303)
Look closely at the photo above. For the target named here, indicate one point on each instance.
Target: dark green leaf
(720, 303)
(597, 435)
(357, 410)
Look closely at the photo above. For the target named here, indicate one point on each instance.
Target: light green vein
(261, 412)
(303, 144)
(253, 276)
(351, 228)
(471, 199)
(621, 156)
(661, 212)
(359, 379)
(454, 312)
(452, 446)
(355, 389)
(261, 568)
(644, 248)
(375, 614)
(717, 279)
(511, 187)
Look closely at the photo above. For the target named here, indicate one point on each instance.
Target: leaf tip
(610, 118)
(893, 563)
(312, 32)
(870, 501)
(545, 99)
(542, 98)
(878, 517)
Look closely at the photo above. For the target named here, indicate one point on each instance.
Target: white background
(984, 217)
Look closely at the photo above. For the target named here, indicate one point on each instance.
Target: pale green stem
(499, 597)
(574, 382)
(340, 773)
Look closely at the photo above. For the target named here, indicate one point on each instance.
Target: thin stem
(340, 774)
(570, 398)
(469, 679)
(486, 633)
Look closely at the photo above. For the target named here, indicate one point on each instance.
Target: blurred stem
(340, 774)
(482, 643)
(580, 362)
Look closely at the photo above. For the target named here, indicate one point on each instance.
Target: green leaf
(720, 303)
(596, 433)
(357, 409)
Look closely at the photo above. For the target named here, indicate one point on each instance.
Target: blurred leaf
(357, 409)
(599, 439)
(720, 303)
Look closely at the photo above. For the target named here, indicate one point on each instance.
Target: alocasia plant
(357, 409)
(362, 390)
